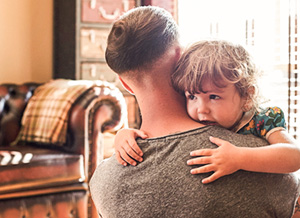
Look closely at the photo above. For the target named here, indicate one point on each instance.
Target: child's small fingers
(202, 152)
(211, 178)
(129, 150)
(127, 158)
(135, 147)
(204, 169)
(141, 134)
(199, 160)
(216, 141)
(119, 159)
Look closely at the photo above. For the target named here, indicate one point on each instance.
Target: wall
(26, 40)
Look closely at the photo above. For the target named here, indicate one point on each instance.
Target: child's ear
(248, 101)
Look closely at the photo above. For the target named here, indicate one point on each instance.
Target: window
(293, 69)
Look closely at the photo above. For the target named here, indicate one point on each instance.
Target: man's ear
(125, 85)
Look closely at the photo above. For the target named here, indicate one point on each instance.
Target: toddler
(219, 80)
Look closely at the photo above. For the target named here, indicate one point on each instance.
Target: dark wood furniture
(46, 180)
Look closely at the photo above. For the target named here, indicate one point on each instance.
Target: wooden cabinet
(169, 5)
(104, 11)
(81, 28)
(93, 42)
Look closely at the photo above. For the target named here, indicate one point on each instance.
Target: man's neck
(164, 113)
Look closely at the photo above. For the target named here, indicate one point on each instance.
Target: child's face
(216, 106)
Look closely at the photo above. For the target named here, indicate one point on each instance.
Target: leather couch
(46, 180)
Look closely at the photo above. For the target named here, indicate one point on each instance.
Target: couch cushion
(23, 168)
(65, 204)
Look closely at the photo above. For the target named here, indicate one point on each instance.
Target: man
(143, 49)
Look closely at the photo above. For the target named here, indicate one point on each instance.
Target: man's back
(162, 186)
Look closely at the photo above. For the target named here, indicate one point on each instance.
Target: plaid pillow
(46, 116)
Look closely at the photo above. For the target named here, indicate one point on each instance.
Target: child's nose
(203, 108)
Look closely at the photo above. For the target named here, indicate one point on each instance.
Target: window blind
(293, 70)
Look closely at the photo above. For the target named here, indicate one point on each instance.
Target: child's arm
(283, 156)
(126, 148)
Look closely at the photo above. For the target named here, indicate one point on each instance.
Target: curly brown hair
(221, 62)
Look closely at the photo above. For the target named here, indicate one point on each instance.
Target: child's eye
(191, 97)
(214, 97)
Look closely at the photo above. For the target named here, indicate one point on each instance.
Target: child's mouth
(208, 123)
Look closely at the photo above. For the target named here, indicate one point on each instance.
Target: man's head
(139, 38)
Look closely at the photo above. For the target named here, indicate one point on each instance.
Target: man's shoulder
(238, 139)
(103, 169)
(198, 139)
(104, 173)
(202, 135)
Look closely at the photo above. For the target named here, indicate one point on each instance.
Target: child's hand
(222, 160)
(127, 150)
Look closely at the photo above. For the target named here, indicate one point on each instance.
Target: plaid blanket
(46, 116)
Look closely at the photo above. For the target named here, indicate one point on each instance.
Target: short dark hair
(139, 38)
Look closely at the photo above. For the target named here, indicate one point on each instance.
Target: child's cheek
(192, 112)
